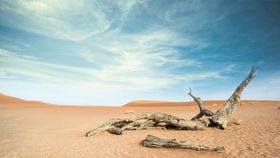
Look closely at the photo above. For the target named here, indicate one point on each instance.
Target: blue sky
(95, 52)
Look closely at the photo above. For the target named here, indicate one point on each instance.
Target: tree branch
(156, 142)
(203, 111)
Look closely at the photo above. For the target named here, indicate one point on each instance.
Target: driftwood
(155, 142)
(203, 111)
(146, 121)
(221, 118)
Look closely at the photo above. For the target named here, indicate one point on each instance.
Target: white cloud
(64, 19)
(129, 76)
(129, 70)
(27, 67)
(230, 67)
(148, 58)
(152, 48)
(118, 61)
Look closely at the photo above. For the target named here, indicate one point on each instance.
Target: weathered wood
(171, 120)
(202, 110)
(146, 121)
(117, 123)
(115, 130)
(160, 120)
(222, 116)
(156, 142)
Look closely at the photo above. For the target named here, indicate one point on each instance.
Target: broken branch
(155, 142)
(203, 111)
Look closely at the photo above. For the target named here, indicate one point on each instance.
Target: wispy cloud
(64, 19)
(56, 83)
(25, 67)
(148, 59)
(133, 45)
(230, 67)
(145, 52)
(130, 70)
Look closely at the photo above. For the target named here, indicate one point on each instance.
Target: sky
(92, 52)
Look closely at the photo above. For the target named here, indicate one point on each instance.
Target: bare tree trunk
(222, 116)
(156, 142)
(203, 111)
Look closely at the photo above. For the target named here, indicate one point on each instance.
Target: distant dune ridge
(152, 103)
(10, 100)
(13, 101)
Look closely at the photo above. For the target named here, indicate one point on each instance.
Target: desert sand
(36, 129)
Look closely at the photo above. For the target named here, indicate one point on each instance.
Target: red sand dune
(35, 129)
(13, 101)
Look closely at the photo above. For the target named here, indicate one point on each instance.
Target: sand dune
(13, 101)
(58, 131)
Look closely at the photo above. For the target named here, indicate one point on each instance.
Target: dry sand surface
(41, 130)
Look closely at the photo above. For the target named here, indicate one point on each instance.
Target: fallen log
(146, 121)
(155, 142)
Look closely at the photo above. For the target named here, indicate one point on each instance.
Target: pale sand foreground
(58, 131)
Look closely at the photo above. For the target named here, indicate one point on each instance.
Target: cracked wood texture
(221, 118)
(156, 142)
(146, 121)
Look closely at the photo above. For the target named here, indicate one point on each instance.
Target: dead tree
(156, 142)
(159, 120)
(221, 118)
(203, 111)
